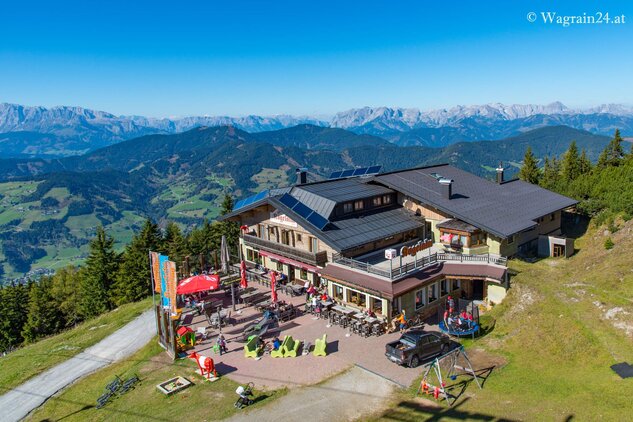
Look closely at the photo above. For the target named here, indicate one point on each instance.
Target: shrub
(608, 244)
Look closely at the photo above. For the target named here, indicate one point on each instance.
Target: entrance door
(559, 250)
(478, 290)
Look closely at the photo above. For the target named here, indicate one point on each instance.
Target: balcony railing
(399, 271)
(317, 259)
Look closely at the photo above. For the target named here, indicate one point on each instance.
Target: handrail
(318, 259)
(401, 270)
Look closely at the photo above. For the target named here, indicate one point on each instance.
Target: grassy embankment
(563, 324)
(19, 366)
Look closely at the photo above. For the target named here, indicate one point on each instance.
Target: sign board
(155, 268)
(390, 253)
(277, 217)
(414, 249)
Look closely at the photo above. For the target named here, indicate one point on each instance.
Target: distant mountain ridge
(77, 130)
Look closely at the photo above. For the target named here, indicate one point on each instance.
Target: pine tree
(227, 204)
(133, 280)
(65, 286)
(529, 170)
(613, 154)
(175, 244)
(44, 318)
(100, 272)
(13, 314)
(551, 173)
(570, 167)
(584, 164)
(229, 229)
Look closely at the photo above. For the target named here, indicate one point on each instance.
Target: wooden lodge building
(399, 240)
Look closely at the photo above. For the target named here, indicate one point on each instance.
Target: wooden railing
(399, 271)
(316, 259)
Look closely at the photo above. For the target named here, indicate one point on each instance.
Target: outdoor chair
(291, 347)
(377, 329)
(320, 346)
(279, 353)
(250, 348)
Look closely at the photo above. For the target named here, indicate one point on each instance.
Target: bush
(608, 244)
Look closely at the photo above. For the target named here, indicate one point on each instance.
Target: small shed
(555, 246)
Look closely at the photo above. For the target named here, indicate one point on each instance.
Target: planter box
(173, 385)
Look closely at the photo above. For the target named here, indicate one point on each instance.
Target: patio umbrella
(273, 282)
(198, 283)
(224, 255)
(243, 281)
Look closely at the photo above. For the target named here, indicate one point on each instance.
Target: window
(280, 266)
(376, 305)
(260, 231)
(298, 237)
(377, 201)
(348, 207)
(314, 245)
(272, 233)
(432, 291)
(443, 287)
(357, 298)
(304, 274)
(511, 240)
(420, 299)
(249, 255)
(359, 205)
(386, 199)
(337, 291)
(456, 284)
(552, 217)
(285, 237)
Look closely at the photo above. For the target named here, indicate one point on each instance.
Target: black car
(416, 346)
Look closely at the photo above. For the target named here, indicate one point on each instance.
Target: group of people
(454, 320)
(314, 298)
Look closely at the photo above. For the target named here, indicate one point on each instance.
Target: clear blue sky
(239, 57)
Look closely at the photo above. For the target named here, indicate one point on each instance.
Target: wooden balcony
(317, 259)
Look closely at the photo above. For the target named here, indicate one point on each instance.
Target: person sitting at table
(450, 322)
(371, 313)
(261, 344)
(325, 297)
(282, 277)
(276, 343)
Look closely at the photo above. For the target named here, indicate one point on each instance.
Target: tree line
(108, 279)
(604, 190)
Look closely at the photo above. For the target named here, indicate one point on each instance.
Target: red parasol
(198, 283)
(243, 281)
(273, 282)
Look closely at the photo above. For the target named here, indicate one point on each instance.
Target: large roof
(501, 209)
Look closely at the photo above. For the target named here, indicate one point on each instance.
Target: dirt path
(19, 402)
(352, 395)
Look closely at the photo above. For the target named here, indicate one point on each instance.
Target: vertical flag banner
(155, 265)
(172, 283)
(162, 259)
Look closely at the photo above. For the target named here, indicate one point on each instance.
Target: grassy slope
(202, 401)
(24, 363)
(562, 325)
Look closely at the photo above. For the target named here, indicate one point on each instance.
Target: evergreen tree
(570, 167)
(584, 164)
(230, 229)
(65, 286)
(227, 204)
(613, 154)
(133, 280)
(44, 317)
(13, 314)
(101, 268)
(551, 172)
(174, 243)
(529, 170)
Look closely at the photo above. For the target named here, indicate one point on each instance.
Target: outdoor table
(371, 320)
(343, 310)
(250, 297)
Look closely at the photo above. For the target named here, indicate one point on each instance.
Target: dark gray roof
(459, 225)
(323, 196)
(501, 209)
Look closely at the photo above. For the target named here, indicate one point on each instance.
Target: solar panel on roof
(347, 173)
(360, 171)
(239, 204)
(317, 221)
(373, 169)
(288, 200)
(336, 175)
(303, 210)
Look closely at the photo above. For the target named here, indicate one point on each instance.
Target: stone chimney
(500, 173)
(447, 187)
(302, 176)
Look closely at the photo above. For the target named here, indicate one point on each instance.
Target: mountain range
(49, 208)
(27, 132)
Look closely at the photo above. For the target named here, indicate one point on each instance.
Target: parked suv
(415, 346)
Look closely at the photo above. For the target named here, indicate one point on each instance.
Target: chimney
(500, 173)
(302, 176)
(447, 187)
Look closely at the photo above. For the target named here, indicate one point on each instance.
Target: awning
(289, 261)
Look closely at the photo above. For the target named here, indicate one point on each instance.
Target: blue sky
(294, 57)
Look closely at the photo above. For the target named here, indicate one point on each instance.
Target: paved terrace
(267, 372)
